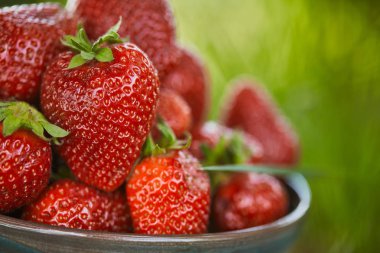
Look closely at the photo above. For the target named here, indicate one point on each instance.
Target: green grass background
(321, 61)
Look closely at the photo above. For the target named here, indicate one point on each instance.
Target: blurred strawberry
(174, 111)
(252, 110)
(248, 200)
(72, 204)
(106, 97)
(216, 144)
(25, 154)
(29, 38)
(148, 24)
(169, 194)
(189, 79)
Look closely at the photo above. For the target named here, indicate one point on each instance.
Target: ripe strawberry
(169, 194)
(189, 79)
(72, 204)
(107, 103)
(148, 24)
(29, 38)
(174, 111)
(25, 154)
(217, 144)
(252, 110)
(247, 200)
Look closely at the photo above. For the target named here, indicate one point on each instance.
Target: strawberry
(25, 154)
(71, 204)
(252, 110)
(169, 194)
(106, 98)
(29, 38)
(148, 24)
(214, 144)
(189, 79)
(247, 200)
(174, 111)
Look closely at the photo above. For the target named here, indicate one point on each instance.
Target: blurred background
(321, 61)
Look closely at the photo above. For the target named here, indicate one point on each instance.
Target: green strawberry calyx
(232, 150)
(89, 51)
(167, 141)
(16, 115)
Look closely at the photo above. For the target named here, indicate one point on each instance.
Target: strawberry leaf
(10, 125)
(89, 51)
(16, 115)
(104, 55)
(76, 61)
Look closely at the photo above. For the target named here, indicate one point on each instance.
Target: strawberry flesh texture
(29, 38)
(169, 194)
(189, 79)
(25, 162)
(148, 24)
(108, 108)
(72, 204)
(252, 110)
(174, 111)
(248, 200)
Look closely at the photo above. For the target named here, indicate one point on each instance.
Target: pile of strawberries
(104, 128)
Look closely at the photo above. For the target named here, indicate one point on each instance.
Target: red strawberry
(25, 154)
(169, 194)
(225, 145)
(29, 38)
(189, 79)
(252, 110)
(247, 200)
(174, 111)
(108, 104)
(72, 204)
(148, 24)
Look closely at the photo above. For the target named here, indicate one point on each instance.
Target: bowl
(22, 236)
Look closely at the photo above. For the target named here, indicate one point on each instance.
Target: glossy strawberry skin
(169, 194)
(190, 80)
(248, 200)
(211, 133)
(174, 111)
(252, 110)
(25, 163)
(148, 24)
(29, 38)
(71, 204)
(108, 108)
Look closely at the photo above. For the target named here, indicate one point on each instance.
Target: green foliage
(88, 51)
(16, 115)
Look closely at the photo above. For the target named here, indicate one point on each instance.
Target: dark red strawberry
(107, 104)
(25, 154)
(148, 24)
(190, 80)
(71, 204)
(252, 110)
(248, 200)
(169, 194)
(29, 38)
(174, 111)
(216, 144)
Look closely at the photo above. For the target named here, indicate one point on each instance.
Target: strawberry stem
(16, 115)
(88, 51)
(168, 141)
(249, 168)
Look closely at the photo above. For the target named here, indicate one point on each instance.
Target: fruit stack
(102, 121)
